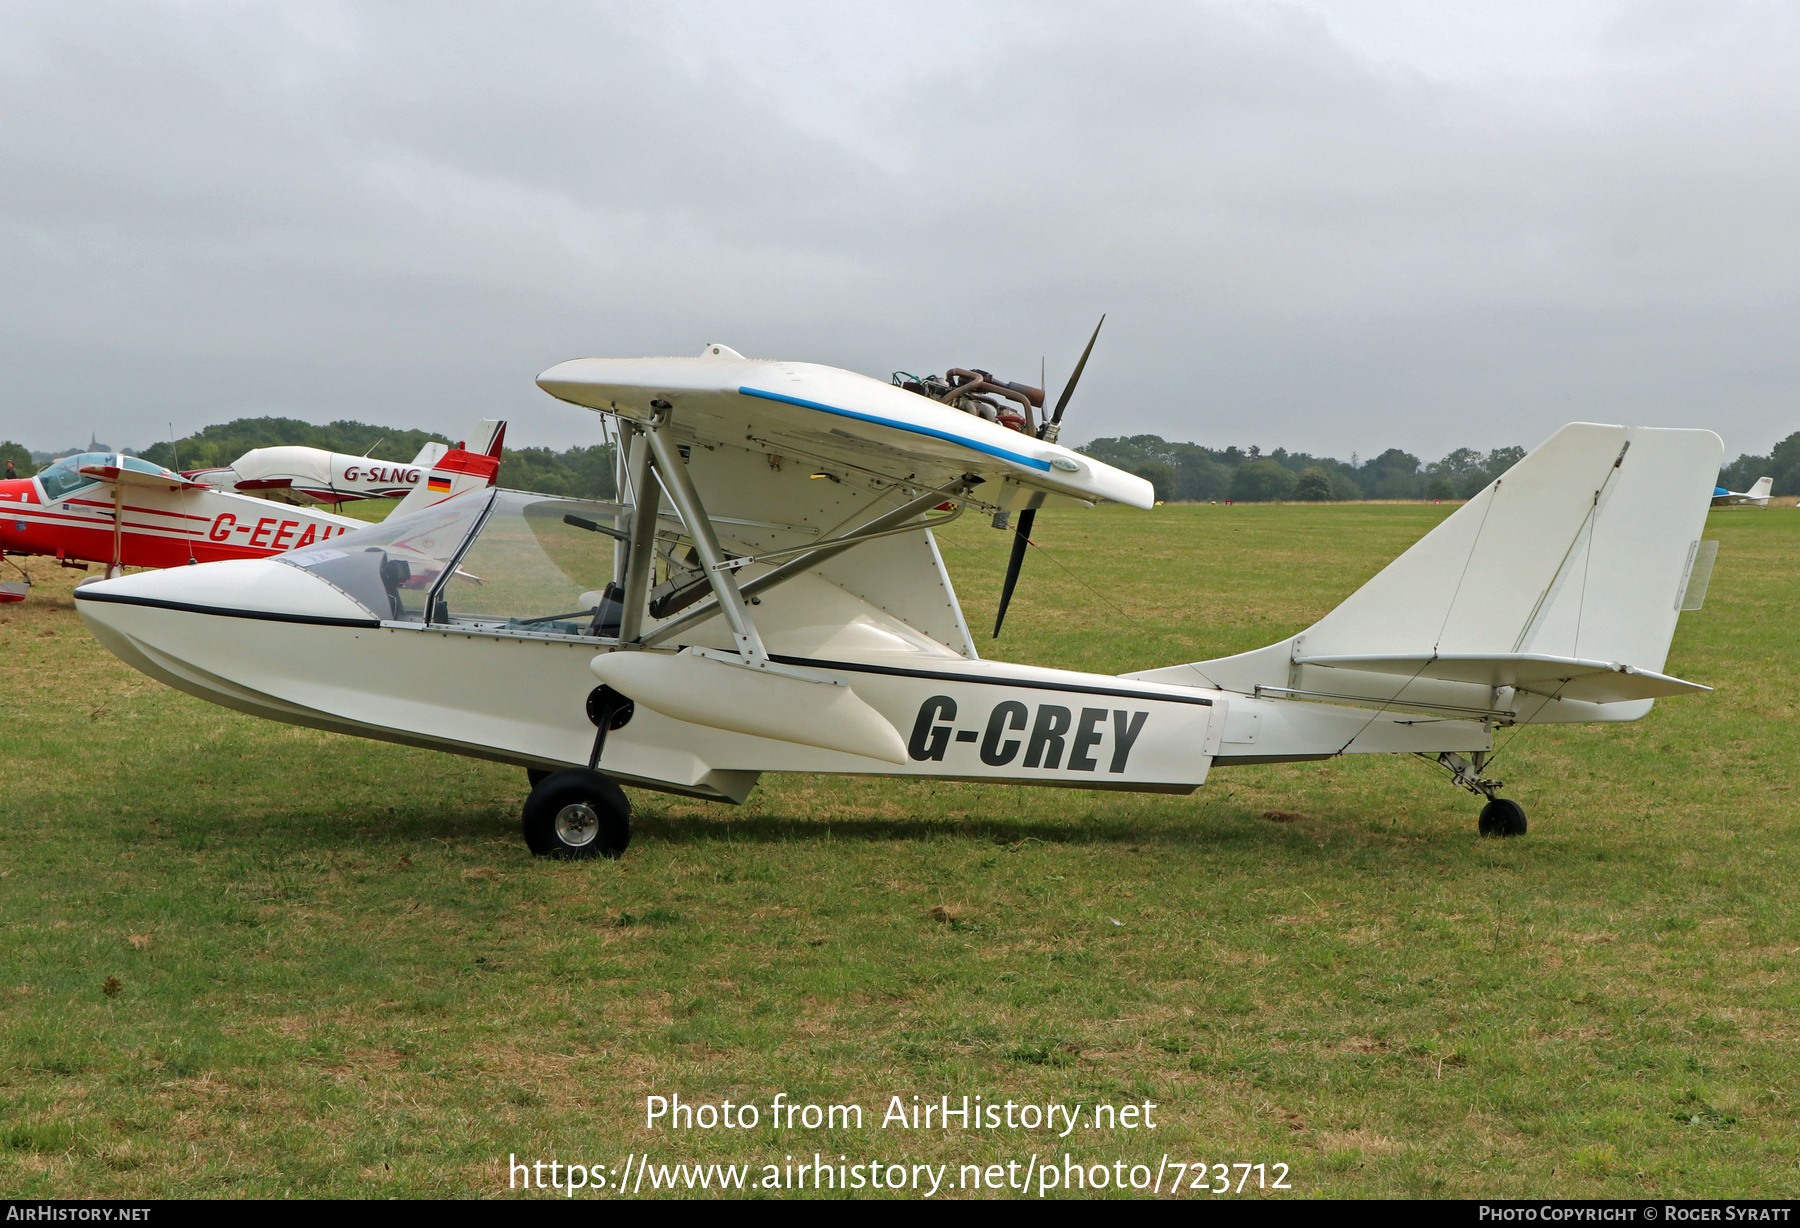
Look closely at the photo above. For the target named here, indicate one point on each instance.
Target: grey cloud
(402, 214)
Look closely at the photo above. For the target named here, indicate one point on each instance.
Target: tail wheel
(1502, 817)
(577, 814)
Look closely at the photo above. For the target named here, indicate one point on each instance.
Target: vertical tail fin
(1575, 560)
(488, 438)
(470, 465)
(1760, 491)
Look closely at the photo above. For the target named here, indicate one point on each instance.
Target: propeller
(1027, 518)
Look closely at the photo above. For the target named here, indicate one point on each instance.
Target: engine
(979, 392)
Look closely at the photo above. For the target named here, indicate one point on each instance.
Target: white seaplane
(768, 596)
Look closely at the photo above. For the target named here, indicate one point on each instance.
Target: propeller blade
(1068, 391)
(1028, 517)
(1021, 539)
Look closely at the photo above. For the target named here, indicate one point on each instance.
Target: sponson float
(768, 596)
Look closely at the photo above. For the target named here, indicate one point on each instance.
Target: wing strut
(641, 553)
(675, 479)
(118, 562)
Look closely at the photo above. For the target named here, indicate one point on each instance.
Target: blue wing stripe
(1018, 459)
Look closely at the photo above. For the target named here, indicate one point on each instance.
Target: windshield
(144, 466)
(538, 564)
(391, 567)
(65, 475)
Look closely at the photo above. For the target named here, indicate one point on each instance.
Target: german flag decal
(437, 485)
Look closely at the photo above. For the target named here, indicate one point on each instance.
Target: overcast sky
(1330, 225)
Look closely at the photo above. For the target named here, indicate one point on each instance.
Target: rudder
(1570, 565)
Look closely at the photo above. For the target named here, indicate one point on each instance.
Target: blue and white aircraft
(1756, 496)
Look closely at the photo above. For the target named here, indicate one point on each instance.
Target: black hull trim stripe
(1025, 683)
(848, 666)
(267, 616)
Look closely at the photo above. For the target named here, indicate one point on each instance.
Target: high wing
(840, 421)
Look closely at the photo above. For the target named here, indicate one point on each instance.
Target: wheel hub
(577, 825)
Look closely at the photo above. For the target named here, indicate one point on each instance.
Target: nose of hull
(194, 627)
(258, 588)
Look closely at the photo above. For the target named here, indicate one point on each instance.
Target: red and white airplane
(123, 511)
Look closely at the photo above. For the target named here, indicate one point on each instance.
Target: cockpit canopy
(66, 476)
(486, 559)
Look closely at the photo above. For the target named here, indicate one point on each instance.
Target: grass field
(240, 959)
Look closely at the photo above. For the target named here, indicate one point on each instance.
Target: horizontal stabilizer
(430, 454)
(1596, 682)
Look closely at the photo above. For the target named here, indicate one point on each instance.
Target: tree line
(1180, 472)
(1782, 463)
(1191, 473)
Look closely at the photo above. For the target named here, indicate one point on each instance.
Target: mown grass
(337, 971)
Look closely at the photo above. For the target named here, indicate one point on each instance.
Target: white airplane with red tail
(302, 475)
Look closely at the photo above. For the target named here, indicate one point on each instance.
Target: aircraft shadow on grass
(1220, 827)
(1232, 826)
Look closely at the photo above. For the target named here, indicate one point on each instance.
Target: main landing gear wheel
(577, 814)
(537, 776)
(1502, 817)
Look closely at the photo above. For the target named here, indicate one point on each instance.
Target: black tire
(537, 776)
(1502, 817)
(577, 814)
